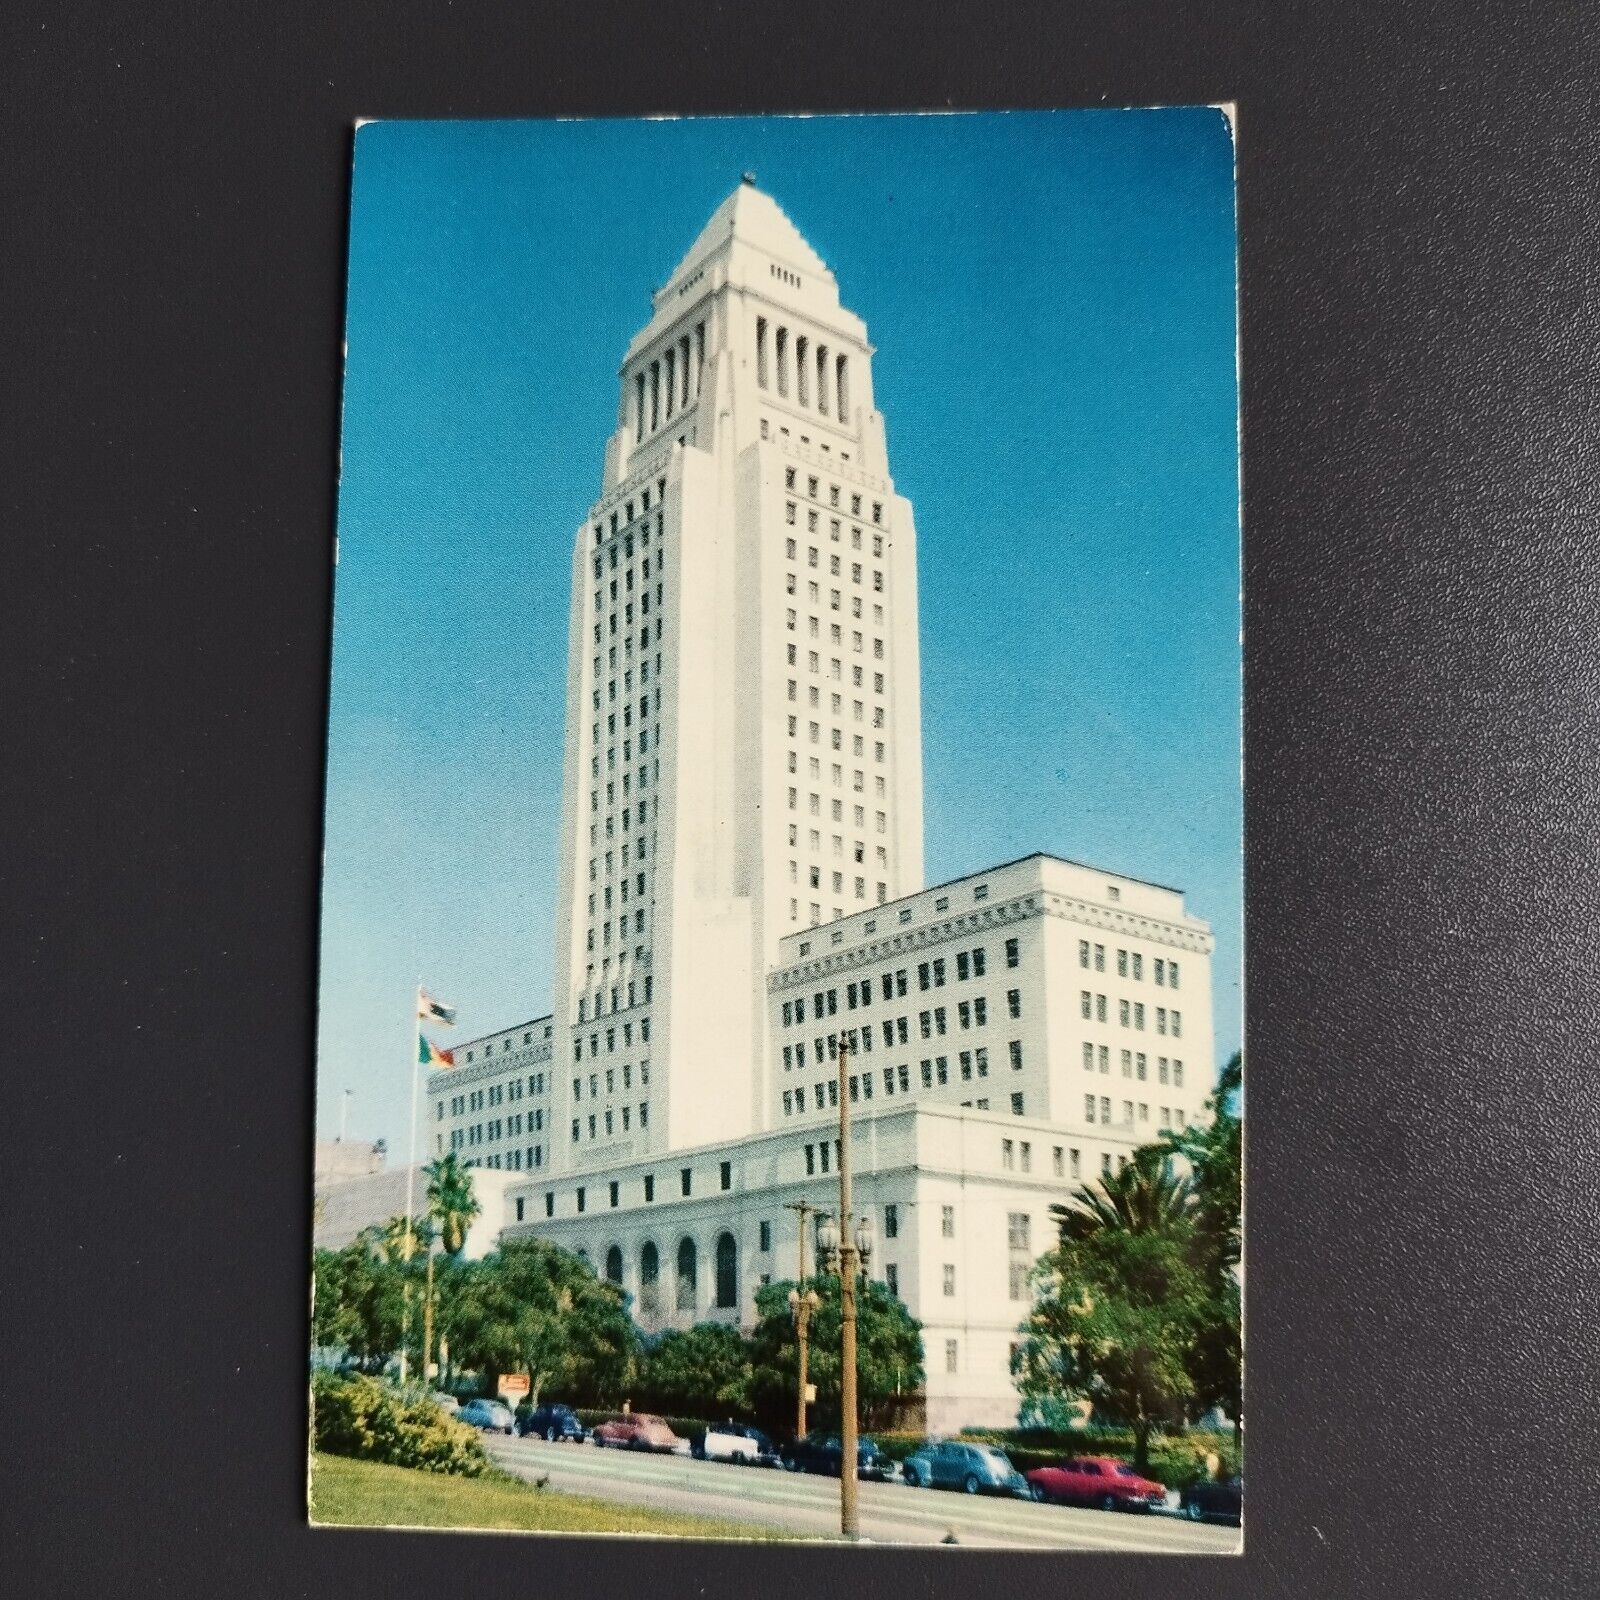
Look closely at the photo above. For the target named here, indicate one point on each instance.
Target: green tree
(888, 1354)
(703, 1370)
(1121, 1302)
(360, 1301)
(532, 1307)
(451, 1202)
(452, 1209)
(1213, 1151)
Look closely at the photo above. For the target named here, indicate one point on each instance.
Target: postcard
(781, 997)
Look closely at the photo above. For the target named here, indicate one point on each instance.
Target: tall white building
(741, 877)
(744, 743)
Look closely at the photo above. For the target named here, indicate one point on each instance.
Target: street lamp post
(850, 1253)
(802, 1302)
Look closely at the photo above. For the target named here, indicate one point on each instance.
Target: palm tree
(453, 1208)
(1147, 1195)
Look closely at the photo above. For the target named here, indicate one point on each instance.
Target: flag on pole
(430, 1055)
(431, 1010)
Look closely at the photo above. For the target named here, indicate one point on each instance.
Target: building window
(947, 1222)
(649, 1279)
(726, 1175)
(686, 1274)
(519, 1208)
(1018, 1284)
(616, 1192)
(1013, 952)
(891, 1277)
(952, 1350)
(949, 1280)
(891, 1222)
(1008, 1154)
(550, 1203)
(1015, 1048)
(727, 1272)
(1014, 1002)
(614, 1264)
(766, 1236)
(649, 1187)
(686, 1179)
(1016, 1105)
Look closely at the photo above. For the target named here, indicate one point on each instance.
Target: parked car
(733, 1441)
(972, 1468)
(1101, 1481)
(637, 1431)
(825, 1454)
(489, 1415)
(552, 1422)
(1214, 1500)
(447, 1403)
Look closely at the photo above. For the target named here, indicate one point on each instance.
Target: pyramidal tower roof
(756, 219)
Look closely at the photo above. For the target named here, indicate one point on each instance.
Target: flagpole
(411, 1166)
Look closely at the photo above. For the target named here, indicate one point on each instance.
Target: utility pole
(802, 1302)
(849, 1513)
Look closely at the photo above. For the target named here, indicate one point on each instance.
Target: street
(808, 1507)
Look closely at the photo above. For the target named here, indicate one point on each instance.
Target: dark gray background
(1417, 201)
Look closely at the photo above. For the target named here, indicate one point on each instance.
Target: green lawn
(370, 1494)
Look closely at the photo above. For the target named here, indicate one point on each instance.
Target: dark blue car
(552, 1422)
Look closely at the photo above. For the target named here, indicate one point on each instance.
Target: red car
(1101, 1481)
(638, 1431)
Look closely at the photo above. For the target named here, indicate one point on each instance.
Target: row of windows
(496, 1129)
(934, 1071)
(647, 1189)
(514, 1161)
(624, 997)
(506, 1046)
(813, 492)
(904, 915)
(1134, 1064)
(606, 1124)
(1094, 1007)
(791, 550)
(1170, 1116)
(611, 1040)
(495, 1094)
(894, 985)
(611, 1077)
(896, 1030)
(1129, 964)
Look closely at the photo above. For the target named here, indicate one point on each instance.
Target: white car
(736, 1442)
(447, 1403)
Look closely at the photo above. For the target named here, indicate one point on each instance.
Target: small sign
(513, 1386)
(811, 1393)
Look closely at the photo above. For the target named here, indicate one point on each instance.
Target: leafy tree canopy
(888, 1353)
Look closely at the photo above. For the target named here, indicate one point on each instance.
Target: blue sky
(1051, 296)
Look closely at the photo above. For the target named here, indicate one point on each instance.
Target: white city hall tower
(743, 742)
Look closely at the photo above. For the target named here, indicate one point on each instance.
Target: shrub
(360, 1416)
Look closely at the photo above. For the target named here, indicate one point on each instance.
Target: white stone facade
(493, 1107)
(1041, 987)
(960, 1201)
